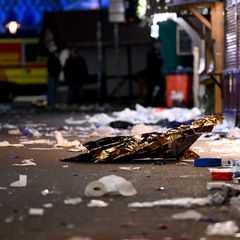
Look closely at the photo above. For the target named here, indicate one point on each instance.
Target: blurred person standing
(155, 80)
(75, 73)
(54, 68)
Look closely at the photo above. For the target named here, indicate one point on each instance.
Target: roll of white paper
(95, 189)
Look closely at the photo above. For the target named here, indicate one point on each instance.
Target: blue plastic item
(207, 162)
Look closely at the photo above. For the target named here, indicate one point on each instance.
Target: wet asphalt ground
(117, 221)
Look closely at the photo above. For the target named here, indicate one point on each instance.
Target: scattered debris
(47, 205)
(207, 162)
(79, 238)
(71, 121)
(25, 162)
(7, 144)
(9, 126)
(217, 185)
(228, 228)
(97, 203)
(72, 201)
(182, 164)
(65, 166)
(46, 149)
(46, 192)
(36, 212)
(22, 182)
(181, 202)
(160, 189)
(14, 132)
(128, 147)
(9, 219)
(80, 148)
(235, 206)
(38, 141)
(111, 184)
(221, 174)
(129, 168)
(62, 142)
(188, 215)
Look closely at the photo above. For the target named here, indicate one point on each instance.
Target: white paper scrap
(22, 182)
(97, 203)
(72, 201)
(25, 162)
(36, 211)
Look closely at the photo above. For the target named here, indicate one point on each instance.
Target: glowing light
(142, 8)
(13, 26)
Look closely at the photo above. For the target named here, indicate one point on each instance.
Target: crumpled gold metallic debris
(171, 144)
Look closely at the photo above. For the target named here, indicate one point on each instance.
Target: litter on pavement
(188, 215)
(111, 184)
(36, 212)
(25, 162)
(97, 203)
(228, 228)
(22, 182)
(72, 201)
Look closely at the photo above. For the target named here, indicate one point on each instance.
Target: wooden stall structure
(210, 27)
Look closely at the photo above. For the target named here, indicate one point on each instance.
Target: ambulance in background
(22, 68)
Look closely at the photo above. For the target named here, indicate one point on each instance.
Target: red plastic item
(222, 175)
(177, 85)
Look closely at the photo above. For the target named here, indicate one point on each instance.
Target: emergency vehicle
(22, 69)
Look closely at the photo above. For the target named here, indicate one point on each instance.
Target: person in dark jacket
(54, 68)
(75, 73)
(155, 80)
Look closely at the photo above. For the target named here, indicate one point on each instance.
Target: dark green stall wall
(168, 36)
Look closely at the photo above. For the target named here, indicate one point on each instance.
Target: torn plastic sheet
(72, 201)
(36, 212)
(111, 184)
(22, 182)
(228, 228)
(181, 202)
(188, 215)
(171, 144)
(97, 203)
(25, 162)
(7, 144)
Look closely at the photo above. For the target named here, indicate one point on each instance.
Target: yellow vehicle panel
(24, 76)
